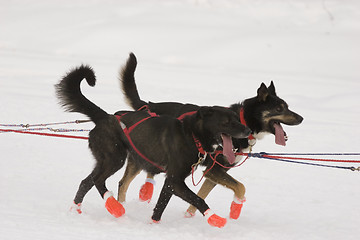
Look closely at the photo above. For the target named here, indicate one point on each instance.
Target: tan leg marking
(131, 172)
(149, 175)
(222, 178)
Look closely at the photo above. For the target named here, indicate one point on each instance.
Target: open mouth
(280, 134)
(228, 148)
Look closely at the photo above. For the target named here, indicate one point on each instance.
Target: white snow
(206, 52)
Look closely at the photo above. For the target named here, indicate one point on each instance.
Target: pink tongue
(279, 135)
(228, 148)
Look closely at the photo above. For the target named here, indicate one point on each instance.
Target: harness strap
(216, 153)
(198, 145)
(127, 131)
(181, 117)
(136, 124)
(127, 134)
(243, 122)
(146, 107)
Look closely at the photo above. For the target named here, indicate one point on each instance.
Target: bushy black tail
(70, 96)
(128, 85)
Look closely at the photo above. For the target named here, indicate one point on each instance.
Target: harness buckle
(252, 142)
(201, 160)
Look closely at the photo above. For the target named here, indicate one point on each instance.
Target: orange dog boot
(147, 190)
(214, 220)
(235, 208)
(76, 207)
(154, 221)
(113, 206)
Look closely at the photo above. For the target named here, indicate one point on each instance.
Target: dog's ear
(262, 92)
(271, 89)
(205, 111)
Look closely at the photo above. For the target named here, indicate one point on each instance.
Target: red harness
(201, 150)
(198, 145)
(127, 131)
(243, 122)
(186, 114)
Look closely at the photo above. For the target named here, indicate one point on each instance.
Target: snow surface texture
(200, 51)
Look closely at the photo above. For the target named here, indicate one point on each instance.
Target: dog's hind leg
(110, 152)
(84, 188)
(101, 173)
(110, 157)
(98, 175)
(131, 171)
(88, 183)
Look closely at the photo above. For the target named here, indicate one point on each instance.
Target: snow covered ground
(206, 52)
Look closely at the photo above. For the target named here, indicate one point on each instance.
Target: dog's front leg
(164, 198)
(204, 191)
(220, 176)
(180, 189)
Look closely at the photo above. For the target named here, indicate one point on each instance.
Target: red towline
(44, 134)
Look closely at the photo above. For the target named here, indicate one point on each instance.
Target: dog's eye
(279, 109)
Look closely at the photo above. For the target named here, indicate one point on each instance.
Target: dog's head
(266, 112)
(217, 126)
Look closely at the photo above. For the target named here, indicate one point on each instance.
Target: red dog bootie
(214, 220)
(147, 190)
(76, 208)
(236, 206)
(154, 221)
(113, 206)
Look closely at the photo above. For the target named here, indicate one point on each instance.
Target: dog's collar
(243, 122)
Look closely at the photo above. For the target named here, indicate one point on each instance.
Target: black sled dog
(150, 142)
(263, 113)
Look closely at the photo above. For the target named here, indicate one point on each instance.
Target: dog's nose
(299, 118)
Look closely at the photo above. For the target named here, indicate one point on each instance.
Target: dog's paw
(147, 190)
(152, 221)
(114, 207)
(214, 220)
(189, 214)
(235, 208)
(76, 208)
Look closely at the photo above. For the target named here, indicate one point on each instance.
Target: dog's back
(151, 138)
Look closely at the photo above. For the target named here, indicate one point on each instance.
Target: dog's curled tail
(70, 97)
(128, 85)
